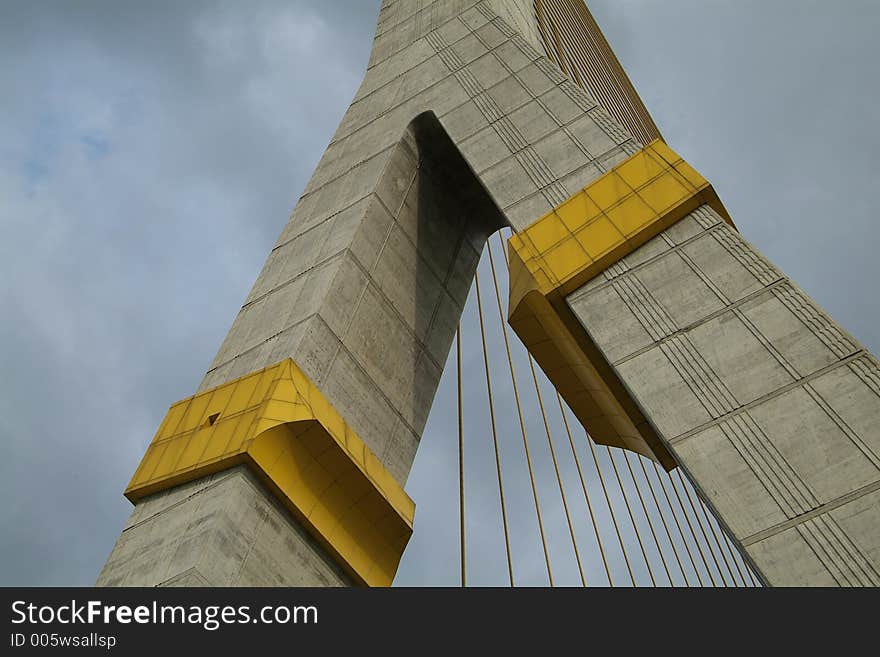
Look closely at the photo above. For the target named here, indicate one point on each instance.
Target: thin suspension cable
(700, 525)
(745, 562)
(718, 542)
(696, 502)
(752, 577)
(494, 431)
(616, 473)
(693, 533)
(610, 509)
(460, 456)
(648, 517)
(677, 524)
(574, 544)
(631, 516)
(663, 520)
(577, 462)
(598, 469)
(734, 552)
(522, 423)
(729, 549)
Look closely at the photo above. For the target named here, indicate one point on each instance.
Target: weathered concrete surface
(222, 530)
(771, 408)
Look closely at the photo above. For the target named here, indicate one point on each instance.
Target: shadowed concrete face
(372, 322)
(460, 127)
(222, 530)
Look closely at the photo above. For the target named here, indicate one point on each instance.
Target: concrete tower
(666, 333)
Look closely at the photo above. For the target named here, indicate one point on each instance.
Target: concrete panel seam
(843, 426)
(699, 376)
(706, 217)
(355, 128)
(699, 273)
(736, 247)
(259, 345)
(703, 320)
(535, 167)
(641, 303)
(417, 9)
(575, 138)
(170, 507)
(440, 46)
(514, 140)
(418, 33)
(854, 553)
(609, 126)
(488, 13)
(621, 267)
(321, 263)
(783, 362)
(442, 281)
(771, 395)
(253, 541)
(815, 320)
(779, 479)
(836, 551)
(175, 546)
(867, 370)
(342, 347)
(193, 571)
(551, 70)
(579, 97)
(384, 151)
(820, 550)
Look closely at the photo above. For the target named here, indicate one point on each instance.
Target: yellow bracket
(279, 424)
(559, 253)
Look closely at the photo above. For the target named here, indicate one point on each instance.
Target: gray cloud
(151, 152)
(149, 155)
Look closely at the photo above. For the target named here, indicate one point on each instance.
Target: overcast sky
(150, 153)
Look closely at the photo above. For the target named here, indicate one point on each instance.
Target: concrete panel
(223, 530)
(654, 381)
(744, 366)
(818, 451)
(710, 456)
(680, 293)
(859, 520)
(729, 277)
(851, 395)
(788, 560)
